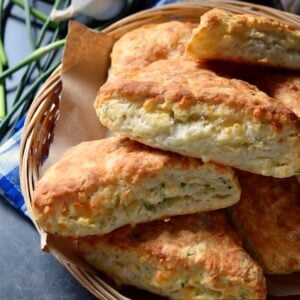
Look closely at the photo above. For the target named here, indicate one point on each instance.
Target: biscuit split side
(121, 182)
(268, 220)
(181, 106)
(285, 88)
(222, 35)
(189, 257)
(282, 85)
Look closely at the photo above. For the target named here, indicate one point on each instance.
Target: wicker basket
(44, 112)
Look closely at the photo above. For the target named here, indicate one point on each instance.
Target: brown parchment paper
(86, 61)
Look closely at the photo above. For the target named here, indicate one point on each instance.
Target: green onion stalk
(31, 58)
(3, 57)
(28, 24)
(27, 6)
(37, 54)
(2, 96)
(34, 56)
(51, 55)
(31, 66)
(22, 108)
(5, 122)
(36, 14)
(3, 64)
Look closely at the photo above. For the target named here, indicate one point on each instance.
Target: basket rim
(29, 173)
(207, 4)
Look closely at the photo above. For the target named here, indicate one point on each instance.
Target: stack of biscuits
(196, 197)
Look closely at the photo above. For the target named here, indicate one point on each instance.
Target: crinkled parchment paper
(86, 61)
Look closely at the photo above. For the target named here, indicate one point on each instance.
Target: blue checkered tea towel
(9, 173)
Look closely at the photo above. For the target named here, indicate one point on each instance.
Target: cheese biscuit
(189, 257)
(222, 35)
(183, 107)
(99, 186)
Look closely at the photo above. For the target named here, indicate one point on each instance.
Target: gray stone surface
(25, 271)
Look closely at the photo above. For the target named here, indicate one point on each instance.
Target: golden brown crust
(238, 22)
(185, 242)
(150, 238)
(223, 35)
(268, 218)
(90, 165)
(186, 83)
(144, 45)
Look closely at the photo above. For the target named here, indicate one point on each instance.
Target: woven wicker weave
(43, 113)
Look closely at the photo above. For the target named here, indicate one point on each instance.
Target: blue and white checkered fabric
(9, 173)
(9, 162)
